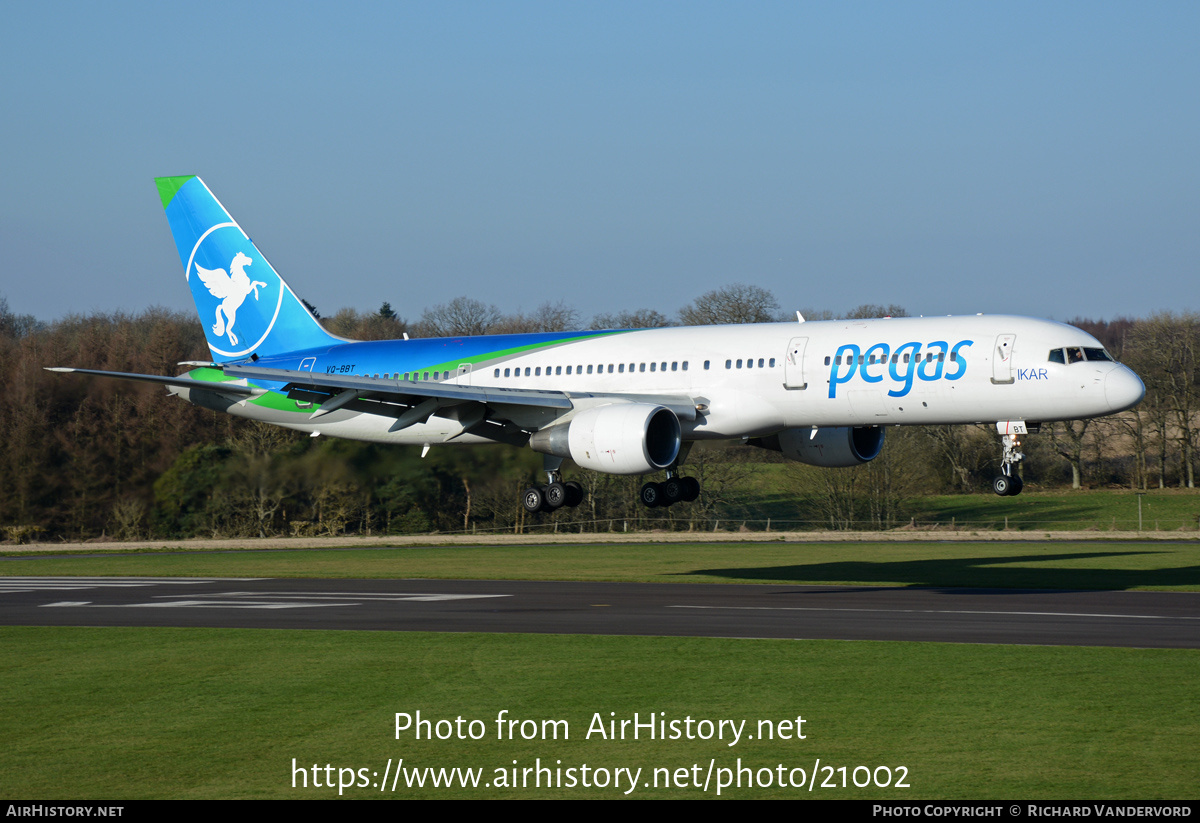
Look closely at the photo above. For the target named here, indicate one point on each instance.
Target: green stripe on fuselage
(280, 402)
(448, 365)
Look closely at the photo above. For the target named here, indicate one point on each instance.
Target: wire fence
(952, 525)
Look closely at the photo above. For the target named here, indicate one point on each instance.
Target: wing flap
(401, 390)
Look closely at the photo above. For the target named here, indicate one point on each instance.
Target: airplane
(622, 401)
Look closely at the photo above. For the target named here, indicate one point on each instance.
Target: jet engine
(836, 447)
(621, 438)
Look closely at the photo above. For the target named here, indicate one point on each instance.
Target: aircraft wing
(409, 401)
(333, 391)
(352, 387)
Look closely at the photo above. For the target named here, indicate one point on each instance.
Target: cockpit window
(1076, 354)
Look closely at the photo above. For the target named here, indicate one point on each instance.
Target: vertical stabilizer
(245, 307)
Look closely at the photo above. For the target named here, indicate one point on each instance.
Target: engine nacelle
(622, 438)
(836, 447)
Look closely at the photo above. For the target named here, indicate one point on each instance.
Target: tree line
(88, 457)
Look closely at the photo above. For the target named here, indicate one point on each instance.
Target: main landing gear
(669, 492)
(555, 494)
(1009, 482)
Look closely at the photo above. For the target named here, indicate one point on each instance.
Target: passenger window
(750, 363)
(685, 365)
(674, 366)
(526, 371)
(826, 360)
(620, 368)
(663, 367)
(729, 364)
(589, 370)
(610, 368)
(706, 364)
(506, 374)
(497, 374)
(739, 363)
(641, 367)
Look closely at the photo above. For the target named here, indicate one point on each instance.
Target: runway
(1074, 618)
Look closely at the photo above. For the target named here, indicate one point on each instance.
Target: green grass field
(203, 713)
(769, 495)
(1050, 564)
(129, 713)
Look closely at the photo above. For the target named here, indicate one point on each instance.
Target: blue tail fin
(244, 305)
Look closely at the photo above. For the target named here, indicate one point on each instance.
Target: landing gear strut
(674, 489)
(555, 494)
(1009, 482)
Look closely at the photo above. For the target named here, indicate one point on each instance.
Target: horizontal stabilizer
(182, 381)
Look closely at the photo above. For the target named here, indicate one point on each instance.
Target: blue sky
(1030, 158)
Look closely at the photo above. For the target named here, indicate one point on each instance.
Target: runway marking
(941, 611)
(221, 604)
(269, 600)
(18, 585)
(371, 596)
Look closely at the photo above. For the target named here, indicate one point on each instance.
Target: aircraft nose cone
(1123, 389)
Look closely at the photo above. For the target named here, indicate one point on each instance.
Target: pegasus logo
(231, 289)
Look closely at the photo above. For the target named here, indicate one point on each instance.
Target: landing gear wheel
(1015, 484)
(533, 499)
(651, 495)
(574, 493)
(672, 491)
(691, 488)
(556, 496)
(1003, 485)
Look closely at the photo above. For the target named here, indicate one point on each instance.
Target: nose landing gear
(1009, 482)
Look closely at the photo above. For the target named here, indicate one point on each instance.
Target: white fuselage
(753, 380)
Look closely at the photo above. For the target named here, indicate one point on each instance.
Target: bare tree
(869, 310)
(1165, 349)
(738, 303)
(460, 317)
(1068, 439)
(547, 317)
(639, 319)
